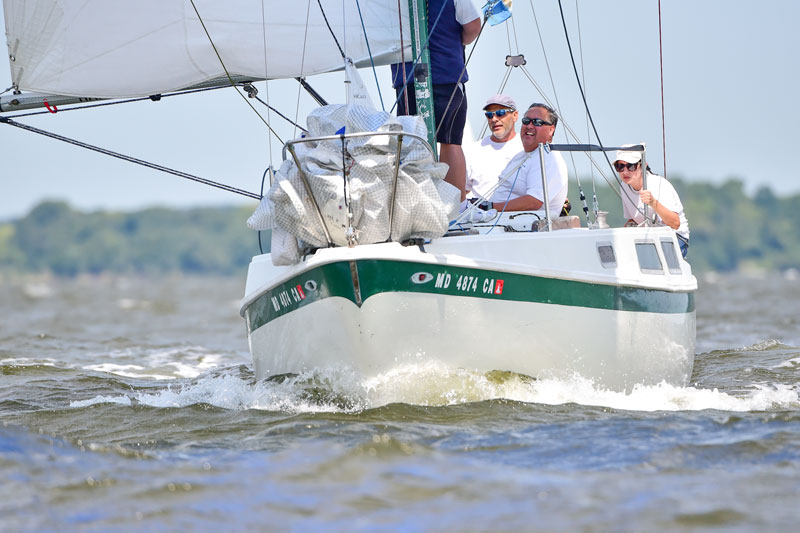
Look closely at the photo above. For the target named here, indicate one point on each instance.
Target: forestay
(116, 48)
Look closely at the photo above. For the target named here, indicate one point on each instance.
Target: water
(128, 404)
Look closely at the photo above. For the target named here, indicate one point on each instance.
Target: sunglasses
(535, 121)
(500, 113)
(623, 166)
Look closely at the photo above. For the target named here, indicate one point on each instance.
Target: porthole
(605, 251)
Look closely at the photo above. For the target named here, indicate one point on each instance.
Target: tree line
(730, 230)
(57, 238)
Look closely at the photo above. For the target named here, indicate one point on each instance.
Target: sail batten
(120, 49)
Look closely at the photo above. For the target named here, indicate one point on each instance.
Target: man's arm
(523, 203)
(470, 31)
(469, 17)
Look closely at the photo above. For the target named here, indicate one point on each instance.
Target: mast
(423, 86)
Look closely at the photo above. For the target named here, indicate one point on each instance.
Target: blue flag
(497, 12)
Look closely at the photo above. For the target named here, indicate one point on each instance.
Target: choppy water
(130, 404)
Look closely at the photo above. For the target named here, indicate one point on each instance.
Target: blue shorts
(452, 118)
(683, 242)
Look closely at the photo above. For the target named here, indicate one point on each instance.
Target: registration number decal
(469, 284)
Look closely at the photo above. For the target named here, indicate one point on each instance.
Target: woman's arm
(669, 217)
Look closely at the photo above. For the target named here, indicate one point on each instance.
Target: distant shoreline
(731, 231)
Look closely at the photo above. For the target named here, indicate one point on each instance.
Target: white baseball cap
(628, 156)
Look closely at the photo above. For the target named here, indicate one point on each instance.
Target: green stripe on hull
(381, 276)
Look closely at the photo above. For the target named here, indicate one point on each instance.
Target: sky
(730, 77)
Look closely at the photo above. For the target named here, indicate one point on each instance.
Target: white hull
(617, 346)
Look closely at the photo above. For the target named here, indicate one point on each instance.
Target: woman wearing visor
(660, 197)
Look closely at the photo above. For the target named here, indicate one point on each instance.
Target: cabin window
(605, 250)
(649, 261)
(674, 266)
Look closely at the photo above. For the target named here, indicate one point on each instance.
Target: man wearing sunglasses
(489, 156)
(521, 181)
(660, 196)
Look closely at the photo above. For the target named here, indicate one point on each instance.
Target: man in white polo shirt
(521, 186)
(487, 158)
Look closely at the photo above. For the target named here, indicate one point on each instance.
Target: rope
(586, 106)
(661, 68)
(369, 50)
(115, 102)
(319, 3)
(284, 117)
(578, 79)
(230, 79)
(567, 127)
(6, 120)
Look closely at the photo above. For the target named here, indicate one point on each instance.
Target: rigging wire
(431, 29)
(586, 106)
(661, 68)
(578, 79)
(567, 127)
(302, 66)
(266, 90)
(369, 50)
(595, 205)
(507, 74)
(558, 103)
(10, 122)
(402, 57)
(325, 18)
(230, 79)
(284, 117)
(621, 190)
(500, 90)
(263, 179)
(463, 70)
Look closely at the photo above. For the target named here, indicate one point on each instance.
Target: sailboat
(366, 272)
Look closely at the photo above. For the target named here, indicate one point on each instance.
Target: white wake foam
(160, 364)
(432, 384)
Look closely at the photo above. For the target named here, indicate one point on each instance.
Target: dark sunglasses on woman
(629, 166)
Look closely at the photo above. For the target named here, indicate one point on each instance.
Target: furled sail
(123, 48)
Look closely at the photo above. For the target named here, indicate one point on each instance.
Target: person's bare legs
(453, 155)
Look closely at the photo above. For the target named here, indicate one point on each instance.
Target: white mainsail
(120, 48)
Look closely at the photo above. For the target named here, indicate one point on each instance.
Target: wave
(434, 384)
